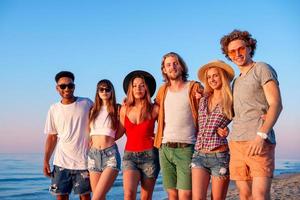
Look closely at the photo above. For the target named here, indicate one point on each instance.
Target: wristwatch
(262, 135)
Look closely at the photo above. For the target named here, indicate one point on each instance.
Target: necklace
(244, 74)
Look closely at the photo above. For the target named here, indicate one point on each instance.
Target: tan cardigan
(160, 98)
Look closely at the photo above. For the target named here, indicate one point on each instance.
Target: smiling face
(172, 68)
(138, 88)
(239, 52)
(65, 87)
(213, 78)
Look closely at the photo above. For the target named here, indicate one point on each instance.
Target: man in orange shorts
(252, 140)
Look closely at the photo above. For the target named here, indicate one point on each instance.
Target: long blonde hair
(146, 101)
(226, 92)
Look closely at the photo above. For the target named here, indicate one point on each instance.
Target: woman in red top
(137, 117)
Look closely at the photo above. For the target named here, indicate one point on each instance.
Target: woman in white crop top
(104, 158)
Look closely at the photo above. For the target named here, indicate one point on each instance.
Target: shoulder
(195, 86)
(54, 106)
(85, 101)
(265, 71)
(262, 66)
(162, 88)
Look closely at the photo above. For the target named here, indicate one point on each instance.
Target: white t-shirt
(70, 123)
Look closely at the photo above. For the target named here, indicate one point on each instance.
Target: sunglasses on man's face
(64, 86)
(102, 90)
(240, 50)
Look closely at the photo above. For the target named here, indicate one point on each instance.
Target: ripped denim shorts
(216, 164)
(64, 180)
(99, 159)
(146, 162)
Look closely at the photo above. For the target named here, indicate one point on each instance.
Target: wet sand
(285, 187)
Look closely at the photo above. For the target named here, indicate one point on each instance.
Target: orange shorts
(243, 167)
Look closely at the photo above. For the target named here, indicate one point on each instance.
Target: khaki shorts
(243, 167)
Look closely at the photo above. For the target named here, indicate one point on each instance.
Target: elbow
(280, 106)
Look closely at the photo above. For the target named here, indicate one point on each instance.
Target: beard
(174, 76)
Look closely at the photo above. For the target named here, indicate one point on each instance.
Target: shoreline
(284, 186)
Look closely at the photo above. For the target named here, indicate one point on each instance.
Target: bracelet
(262, 135)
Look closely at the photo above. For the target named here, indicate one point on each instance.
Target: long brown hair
(112, 107)
(146, 101)
(225, 91)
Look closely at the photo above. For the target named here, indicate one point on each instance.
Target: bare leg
(85, 196)
(94, 178)
(244, 189)
(219, 188)
(104, 184)
(131, 180)
(185, 194)
(172, 194)
(62, 197)
(261, 188)
(147, 188)
(200, 182)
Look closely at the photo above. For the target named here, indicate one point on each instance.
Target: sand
(285, 187)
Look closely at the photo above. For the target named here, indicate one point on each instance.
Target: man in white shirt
(66, 128)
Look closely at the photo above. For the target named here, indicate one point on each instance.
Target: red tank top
(139, 136)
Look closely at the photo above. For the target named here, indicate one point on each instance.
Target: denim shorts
(64, 180)
(216, 164)
(98, 159)
(145, 161)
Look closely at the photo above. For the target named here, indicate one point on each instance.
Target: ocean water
(21, 177)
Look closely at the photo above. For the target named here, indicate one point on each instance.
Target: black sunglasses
(107, 90)
(64, 86)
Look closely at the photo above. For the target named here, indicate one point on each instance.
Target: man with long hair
(177, 125)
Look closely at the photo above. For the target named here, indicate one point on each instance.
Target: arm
(121, 129)
(49, 148)
(273, 97)
(155, 111)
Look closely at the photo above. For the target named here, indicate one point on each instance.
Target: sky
(109, 39)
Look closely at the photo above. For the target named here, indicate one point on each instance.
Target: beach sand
(285, 187)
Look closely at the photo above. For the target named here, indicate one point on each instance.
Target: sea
(21, 177)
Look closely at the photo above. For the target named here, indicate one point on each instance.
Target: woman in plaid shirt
(211, 156)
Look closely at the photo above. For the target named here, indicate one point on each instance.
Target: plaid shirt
(207, 137)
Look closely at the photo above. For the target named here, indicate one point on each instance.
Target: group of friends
(190, 145)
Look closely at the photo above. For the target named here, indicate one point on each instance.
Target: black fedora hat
(149, 79)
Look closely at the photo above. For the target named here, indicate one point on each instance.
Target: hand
(198, 95)
(124, 101)
(223, 132)
(46, 169)
(256, 146)
(263, 117)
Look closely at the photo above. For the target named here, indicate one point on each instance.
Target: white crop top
(102, 124)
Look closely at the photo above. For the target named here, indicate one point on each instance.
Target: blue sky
(108, 39)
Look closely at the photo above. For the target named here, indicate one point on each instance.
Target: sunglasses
(107, 90)
(64, 86)
(240, 50)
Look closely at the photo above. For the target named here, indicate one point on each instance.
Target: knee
(199, 198)
(245, 193)
(146, 196)
(129, 195)
(260, 195)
